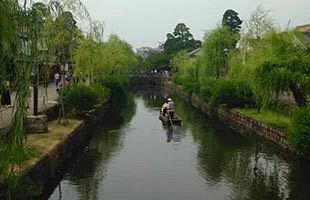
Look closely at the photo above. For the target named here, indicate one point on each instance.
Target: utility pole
(35, 85)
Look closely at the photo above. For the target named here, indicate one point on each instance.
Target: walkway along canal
(131, 156)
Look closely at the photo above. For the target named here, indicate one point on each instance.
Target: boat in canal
(176, 120)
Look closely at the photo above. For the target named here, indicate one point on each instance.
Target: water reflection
(90, 166)
(246, 164)
(202, 159)
(169, 132)
(174, 133)
(153, 98)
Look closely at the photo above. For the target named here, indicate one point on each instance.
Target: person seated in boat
(170, 109)
(164, 108)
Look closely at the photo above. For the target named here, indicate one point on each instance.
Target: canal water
(132, 156)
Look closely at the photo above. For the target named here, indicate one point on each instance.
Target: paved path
(6, 113)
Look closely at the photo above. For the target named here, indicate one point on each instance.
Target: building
(194, 53)
(304, 29)
(146, 52)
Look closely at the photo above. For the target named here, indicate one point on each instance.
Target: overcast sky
(146, 22)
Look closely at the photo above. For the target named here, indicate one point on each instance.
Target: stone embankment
(236, 120)
(58, 145)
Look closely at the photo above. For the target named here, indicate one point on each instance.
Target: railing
(148, 78)
(150, 75)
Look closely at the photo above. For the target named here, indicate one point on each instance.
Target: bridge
(152, 79)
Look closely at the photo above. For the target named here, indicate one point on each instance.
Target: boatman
(170, 108)
(164, 108)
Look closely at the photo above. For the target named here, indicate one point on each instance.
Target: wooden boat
(175, 121)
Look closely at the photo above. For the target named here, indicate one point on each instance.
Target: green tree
(215, 52)
(101, 61)
(64, 36)
(300, 130)
(280, 65)
(24, 25)
(180, 39)
(157, 61)
(232, 21)
(9, 14)
(185, 71)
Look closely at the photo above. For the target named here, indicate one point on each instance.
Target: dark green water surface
(131, 156)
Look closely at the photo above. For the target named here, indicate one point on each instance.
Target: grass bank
(269, 117)
(42, 144)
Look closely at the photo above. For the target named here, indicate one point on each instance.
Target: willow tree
(86, 58)
(98, 62)
(18, 51)
(117, 58)
(63, 37)
(9, 11)
(22, 30)
(185, 71)
(214, 54)
(279, 65)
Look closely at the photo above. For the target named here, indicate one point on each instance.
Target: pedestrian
(30, 93)
(60, 85)
(57, 78)
(6, 95)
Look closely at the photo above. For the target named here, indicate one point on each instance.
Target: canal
(132, 156)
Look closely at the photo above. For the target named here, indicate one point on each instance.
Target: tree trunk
(298, 95)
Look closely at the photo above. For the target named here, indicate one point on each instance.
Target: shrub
(245, 94)
(102, 92)
(230, 92)
(283, 107)
(117, 86)
(206, 90)
(224, 92)
(185, 72)
(190, 86)
(300, 130)
(80, 99)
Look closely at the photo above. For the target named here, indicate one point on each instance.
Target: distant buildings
(146, 52)
(304, 29)
(195, 53)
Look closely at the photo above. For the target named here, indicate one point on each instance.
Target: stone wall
(4, 131)
(245, 124)
(36, 124)
(236, 120)
(46, 171)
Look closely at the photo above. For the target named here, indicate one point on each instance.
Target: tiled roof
(304, 28)
(194, 52)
